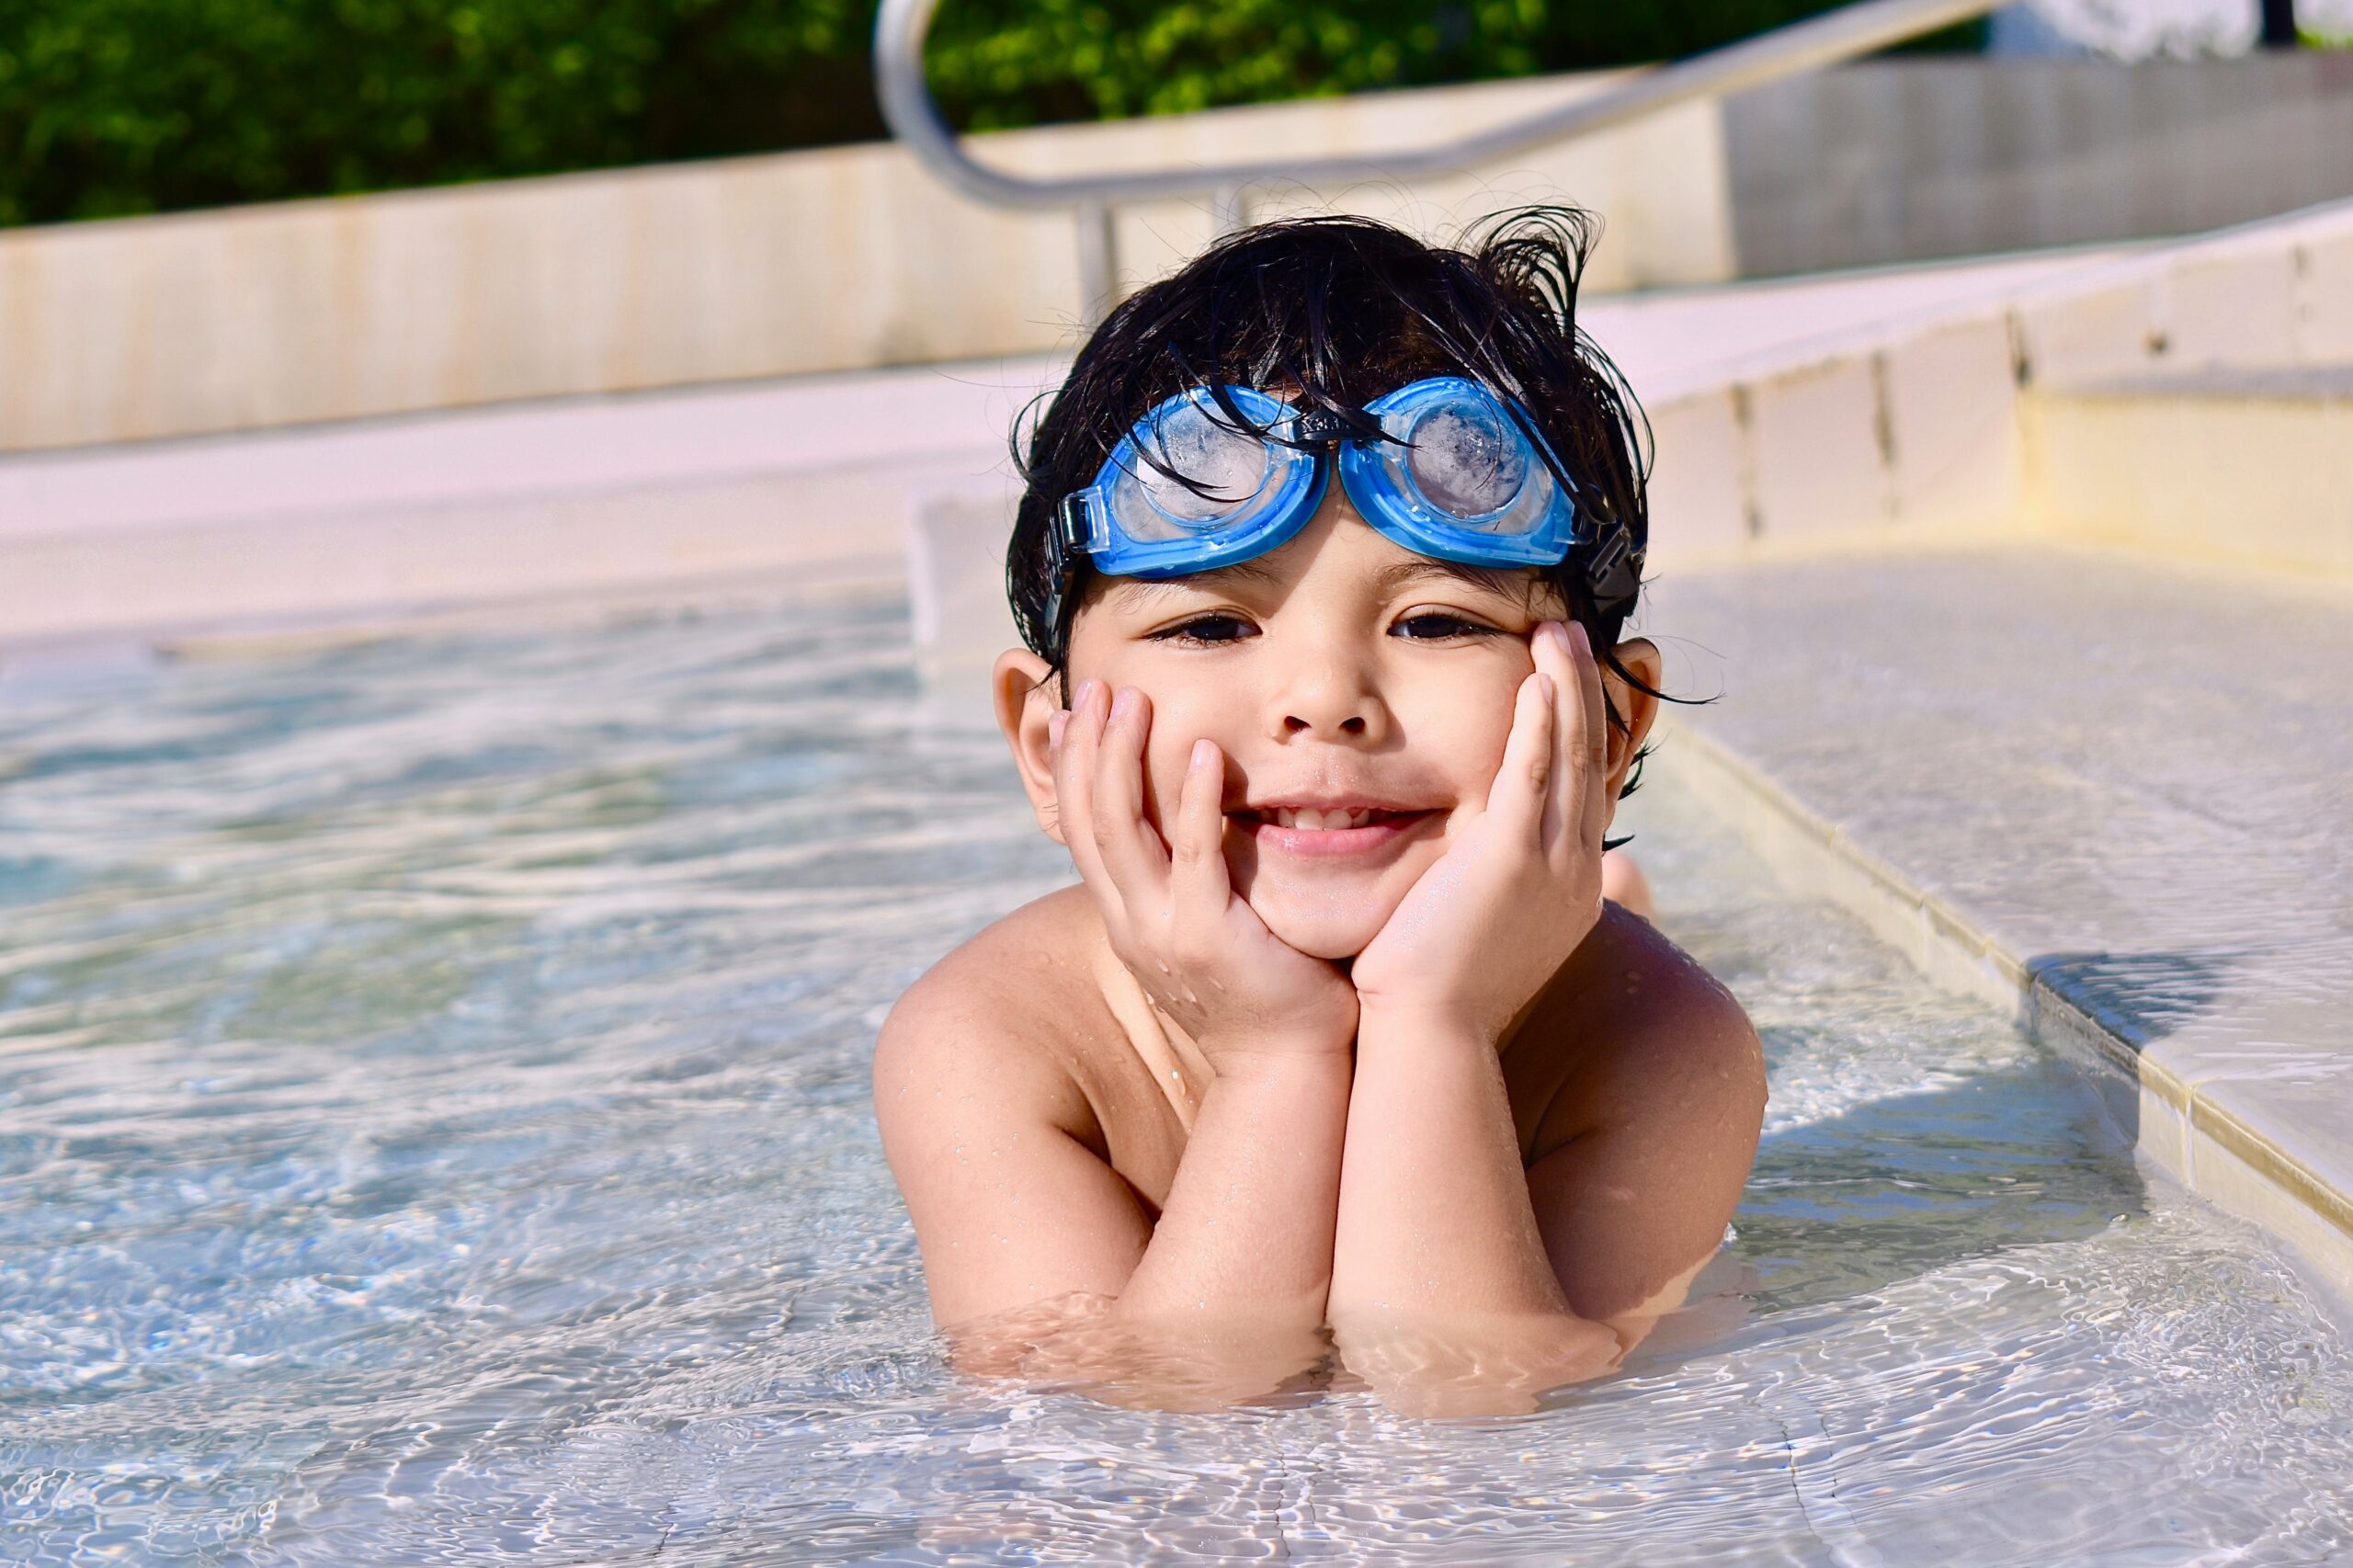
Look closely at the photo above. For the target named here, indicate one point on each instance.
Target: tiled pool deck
(2116, 793)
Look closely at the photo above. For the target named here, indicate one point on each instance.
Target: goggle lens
(1200, 471)
(1469, 462)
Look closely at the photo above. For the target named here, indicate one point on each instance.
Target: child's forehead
(1365, 562)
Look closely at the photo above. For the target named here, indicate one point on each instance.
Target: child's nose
(1350, 726)
(1330, 698)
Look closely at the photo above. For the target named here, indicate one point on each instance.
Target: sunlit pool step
(2101, 787)
(2251, 466)
(1952, 420)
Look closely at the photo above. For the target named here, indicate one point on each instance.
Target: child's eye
(1433, 625)
(1206, 629)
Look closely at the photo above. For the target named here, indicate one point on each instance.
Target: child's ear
(1640, 658)
(1023, 690)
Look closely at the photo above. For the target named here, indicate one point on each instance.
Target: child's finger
(1562, 803)
(1594, 820)
(1075, 790)
(1518, 794)
(1196, 846)
(1131, 851)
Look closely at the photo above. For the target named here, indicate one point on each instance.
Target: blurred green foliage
(994, 64)
(129, 106)
(112, 106)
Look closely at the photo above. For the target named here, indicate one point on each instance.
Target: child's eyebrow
(1510, 585)
(1505, 583)
(1251, 573)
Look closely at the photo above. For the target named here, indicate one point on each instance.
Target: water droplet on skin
(1188, 996)
(1161, 964)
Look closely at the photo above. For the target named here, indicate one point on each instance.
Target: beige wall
(1904, 159)
(2046, 411)
(837, 260)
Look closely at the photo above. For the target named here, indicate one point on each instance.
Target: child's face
(1340, 672)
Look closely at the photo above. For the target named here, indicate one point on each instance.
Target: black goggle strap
(1068, 536)
(1075, 524)
(1614, 573)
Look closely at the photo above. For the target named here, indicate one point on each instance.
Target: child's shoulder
(1022, 968)
(1015, 1006)
(1674, 988)
(1638, 1025)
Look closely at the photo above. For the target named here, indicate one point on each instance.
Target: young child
(1326, 549)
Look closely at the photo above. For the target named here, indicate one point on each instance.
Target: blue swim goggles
(1443, 466)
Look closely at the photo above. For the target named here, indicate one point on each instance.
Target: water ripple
(434, 1128)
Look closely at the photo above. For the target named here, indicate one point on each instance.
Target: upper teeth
(1316, 821)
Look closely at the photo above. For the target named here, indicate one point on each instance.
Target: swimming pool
(433, 1126)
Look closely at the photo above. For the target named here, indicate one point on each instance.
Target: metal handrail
(915, 119)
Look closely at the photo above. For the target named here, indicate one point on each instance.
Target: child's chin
(1324, 933)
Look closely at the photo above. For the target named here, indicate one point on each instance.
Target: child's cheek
(1469, 737)
(1166, 755)
(1181, 715)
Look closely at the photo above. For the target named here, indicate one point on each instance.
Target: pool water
(434, 1127)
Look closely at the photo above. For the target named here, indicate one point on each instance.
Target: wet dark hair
(1337, 310)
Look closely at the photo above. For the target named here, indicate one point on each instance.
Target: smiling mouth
(1335, 835)
(1329, 818)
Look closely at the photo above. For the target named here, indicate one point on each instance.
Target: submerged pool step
(2252, 466)
(2105, 788)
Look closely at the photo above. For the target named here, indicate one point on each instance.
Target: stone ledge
(2244, 464)
(2266, 1184)
(2299, 383)
(1940, 418)
(2186, 926)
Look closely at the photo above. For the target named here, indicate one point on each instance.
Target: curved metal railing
(901, 26)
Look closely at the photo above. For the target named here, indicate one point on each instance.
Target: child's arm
(1445, 1292)
(1012, 1211)
(1010, 1208)
(1462, 1284)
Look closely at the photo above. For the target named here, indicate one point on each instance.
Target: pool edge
(2224, 1155)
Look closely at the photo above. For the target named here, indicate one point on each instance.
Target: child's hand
(1521, 887)
(1203, 956)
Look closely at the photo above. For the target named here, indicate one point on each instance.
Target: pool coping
(2223, 1155)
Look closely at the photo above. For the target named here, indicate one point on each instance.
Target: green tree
(131, 105)
(994, 64)
(112, 107)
